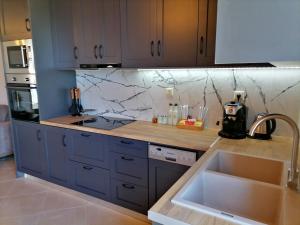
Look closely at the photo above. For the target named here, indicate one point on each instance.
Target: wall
(140, 94)
(3, 95)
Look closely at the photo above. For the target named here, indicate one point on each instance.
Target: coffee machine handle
(273, 125)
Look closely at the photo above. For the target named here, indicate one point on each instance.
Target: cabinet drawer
(129, 146)
(129, 195)
(90, 148)
(91, 180)
(129, 168)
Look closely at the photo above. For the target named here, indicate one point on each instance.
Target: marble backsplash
(140, 94)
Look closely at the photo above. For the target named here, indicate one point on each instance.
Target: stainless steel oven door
(23, 102)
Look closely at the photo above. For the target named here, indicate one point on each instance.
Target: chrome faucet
(294, 177)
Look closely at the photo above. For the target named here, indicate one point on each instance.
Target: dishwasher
(166, 166)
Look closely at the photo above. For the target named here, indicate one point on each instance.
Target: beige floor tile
(97, 215)
(7, 174)
(57, 200)
(73, 216)
(18, 187)
(7, 164)
(22, 205)
(25, 220)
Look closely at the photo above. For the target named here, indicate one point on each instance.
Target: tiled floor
(28, 202)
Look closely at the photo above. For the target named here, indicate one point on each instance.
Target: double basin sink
(238, 188)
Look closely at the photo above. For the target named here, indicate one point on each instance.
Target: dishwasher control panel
(172, 155)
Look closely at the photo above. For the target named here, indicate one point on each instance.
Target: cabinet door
(129, 195)
(109, 47)
(207, 32)
(29, 139)
(91, 180)
(180, 33)
(86, 32)
(138, 27)
(162, 175)
(58, 144)
(130, 168)
(90, 148)
(62, 34)
(15, 19)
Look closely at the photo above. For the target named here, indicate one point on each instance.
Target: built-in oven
(18, 57)
(22, 95)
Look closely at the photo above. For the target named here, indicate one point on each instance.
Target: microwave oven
(18, 57)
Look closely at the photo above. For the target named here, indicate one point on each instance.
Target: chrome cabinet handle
(75, 49)
(87, 168)
(158, 47)
(126, 142)
(85, 135)
(152, 48)
(128, 186)
(201, 45)
(38, 135)
(64, 140)
(27, 24)
(95, 51)
(100, 51)
(127, 159)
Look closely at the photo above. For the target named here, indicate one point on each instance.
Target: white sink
(238, 188)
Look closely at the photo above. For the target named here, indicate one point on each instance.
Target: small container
(154, 119)
(170, 114)
(175, 113)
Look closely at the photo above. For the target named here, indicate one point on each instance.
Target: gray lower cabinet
(91, 180)
(29, 142)
(90, 148)
(162, 175)
(130, 168)
(129, 173)
(129, 195)
(59, 144)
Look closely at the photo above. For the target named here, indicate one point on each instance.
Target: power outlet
(169, 92)
(239, 93)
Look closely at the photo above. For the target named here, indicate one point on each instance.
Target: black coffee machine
(234, 120)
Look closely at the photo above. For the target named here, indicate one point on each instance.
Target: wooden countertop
(146, 131)
(279, 148)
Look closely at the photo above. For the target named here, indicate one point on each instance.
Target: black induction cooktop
(104, 123)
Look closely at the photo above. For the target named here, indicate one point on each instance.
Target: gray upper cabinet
(15, 22)
(180, 27)
(140, 32)
(62, 34)
(206, 32)
(168, 33)
(97, 31)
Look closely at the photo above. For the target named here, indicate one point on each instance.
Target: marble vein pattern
(140, 94)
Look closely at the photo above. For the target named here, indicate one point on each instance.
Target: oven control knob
(14, 79)
(27, 79)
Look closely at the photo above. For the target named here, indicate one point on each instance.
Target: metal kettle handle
(273, 125)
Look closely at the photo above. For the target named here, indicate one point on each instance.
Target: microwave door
(17, 57)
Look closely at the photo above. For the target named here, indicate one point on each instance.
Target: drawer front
(129, 168)
(90, 148)
(91, 180)
(130, 195)
(129, 146)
